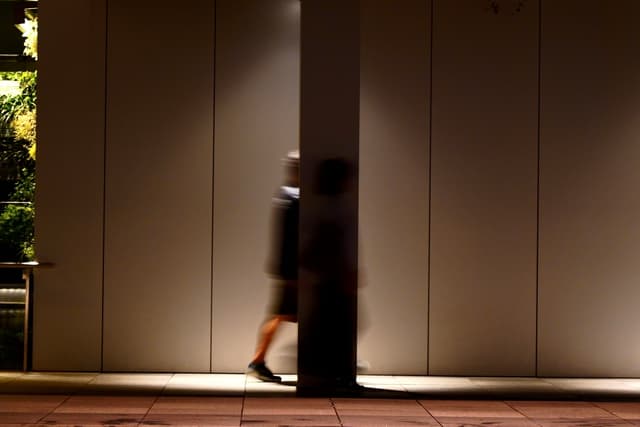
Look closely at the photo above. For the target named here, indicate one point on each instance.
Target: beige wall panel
(257, 104)
(394, 186)
(70, 180)
(159, 163)
(484, 184)
(590, 175)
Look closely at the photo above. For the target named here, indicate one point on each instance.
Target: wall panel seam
(536, 368)
(429, 142)
(104, 175)
(213, 167)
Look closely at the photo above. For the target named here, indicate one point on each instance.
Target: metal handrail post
(26, 276)
(27, 272)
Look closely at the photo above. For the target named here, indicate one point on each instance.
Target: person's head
(292, 168)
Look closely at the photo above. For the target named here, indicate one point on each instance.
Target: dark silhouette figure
(329, 258)
(282, 266)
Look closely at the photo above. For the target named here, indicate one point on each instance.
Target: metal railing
(27, 269)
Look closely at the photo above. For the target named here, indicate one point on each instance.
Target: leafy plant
(16, 232)
(29, 30)
(24, 128)
(16, 221)
(17, 152)
(13, 105)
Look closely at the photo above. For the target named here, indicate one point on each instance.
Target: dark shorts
(284, 299)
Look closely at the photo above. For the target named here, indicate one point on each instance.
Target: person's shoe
(260, 371)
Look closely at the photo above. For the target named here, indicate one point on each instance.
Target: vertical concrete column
(329, 128)
(70, 181)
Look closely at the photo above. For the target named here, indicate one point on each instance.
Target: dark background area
(11, 41)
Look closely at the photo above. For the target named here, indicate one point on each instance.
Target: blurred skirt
(284, 299)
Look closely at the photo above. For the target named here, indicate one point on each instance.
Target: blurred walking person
(282, 266)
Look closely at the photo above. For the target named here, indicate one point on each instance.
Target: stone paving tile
(291, 420)
(541, 410)
(190, 420)
(382, 407)
(583, 422)
(288, 406)
(492, 422)
(211, 399)
(30, 403)
(84, 419)
(470, 409)
(197, 405)
(388, 421)
(106, 405)
(624, 410)
(84, 424)
(20, 417)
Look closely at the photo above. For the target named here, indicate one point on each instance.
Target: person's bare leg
(267, 332)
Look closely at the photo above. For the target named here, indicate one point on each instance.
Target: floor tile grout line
(164, 387)
(157, 397)
(41, 419)
(429, 413)
(333, 405)
(95, 378)
(521, 413)
(244, 398)
(73, 393)
(611, 413)
(144, 417)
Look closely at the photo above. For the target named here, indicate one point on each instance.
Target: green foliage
(29, 30)
(11, 106)
(17, 214)
(16, 221)
(25, 187)
(16, 153)
(16, 232)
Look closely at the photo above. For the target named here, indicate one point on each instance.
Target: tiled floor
(85, 399)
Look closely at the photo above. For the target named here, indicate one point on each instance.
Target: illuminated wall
(158, 187)
(589, 205)
(394, 185)
(483, 189)
(498, 177)
(257, 98)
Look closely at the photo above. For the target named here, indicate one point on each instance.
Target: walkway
(232, 400)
